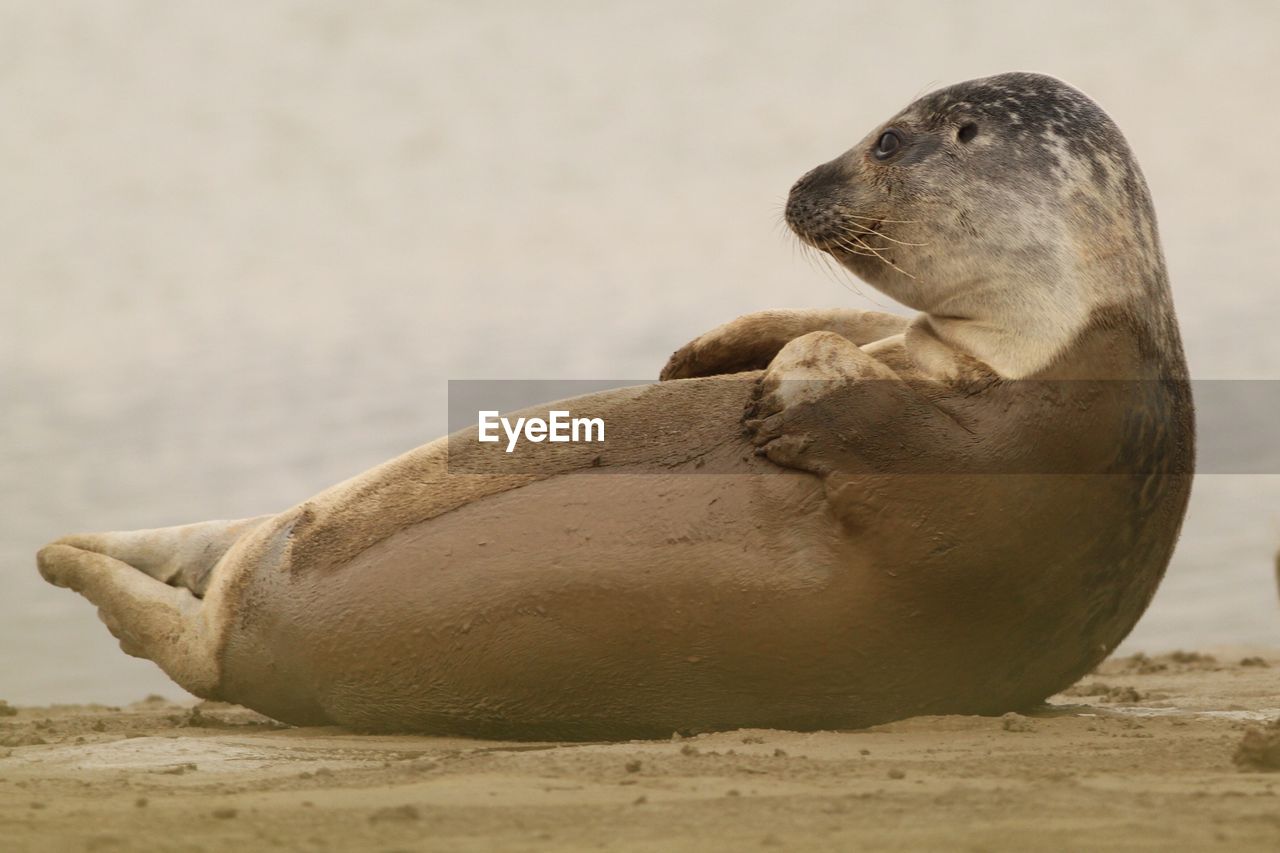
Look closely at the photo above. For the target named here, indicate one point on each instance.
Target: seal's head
(1010, 203)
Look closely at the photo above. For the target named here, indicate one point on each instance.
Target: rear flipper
(181, 556)
(146, 585)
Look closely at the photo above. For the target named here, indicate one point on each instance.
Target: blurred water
(244, 245)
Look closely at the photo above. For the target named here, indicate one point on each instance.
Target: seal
(822, 520)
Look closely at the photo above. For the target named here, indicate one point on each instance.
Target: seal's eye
(888, 143)
(967, 132)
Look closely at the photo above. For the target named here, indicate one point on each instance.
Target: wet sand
(1143, 754)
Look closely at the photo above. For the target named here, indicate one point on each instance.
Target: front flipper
(825, 406)
(751, 341)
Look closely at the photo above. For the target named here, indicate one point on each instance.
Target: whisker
(824, 262)
(850, 280)
(852, 249)
(848, 215)
(842, 240)
(843, 276)
(883, 258)
(813, 258)
(869, 249)
(890, 239)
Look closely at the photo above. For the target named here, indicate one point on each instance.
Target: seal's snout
(811, 206)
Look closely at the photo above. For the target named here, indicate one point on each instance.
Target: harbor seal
(961, 512)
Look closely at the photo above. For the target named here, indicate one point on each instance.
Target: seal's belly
(605, 601)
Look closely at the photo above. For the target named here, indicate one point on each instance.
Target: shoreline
(1140, 754)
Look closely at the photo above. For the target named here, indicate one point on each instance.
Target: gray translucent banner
(733, 425)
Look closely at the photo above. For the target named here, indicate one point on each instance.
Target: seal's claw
(767, 415)
(764, 430)
(681, 364)
(751, 411)
(788, 451)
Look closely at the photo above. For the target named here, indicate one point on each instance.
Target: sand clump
(1259, 749)
(1012, 722)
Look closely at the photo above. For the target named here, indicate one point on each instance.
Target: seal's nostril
(808, 209)
(807, 213)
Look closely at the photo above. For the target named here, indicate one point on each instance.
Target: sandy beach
(1145, 754)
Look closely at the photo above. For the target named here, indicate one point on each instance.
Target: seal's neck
(1019, 319)
(1017, 328)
